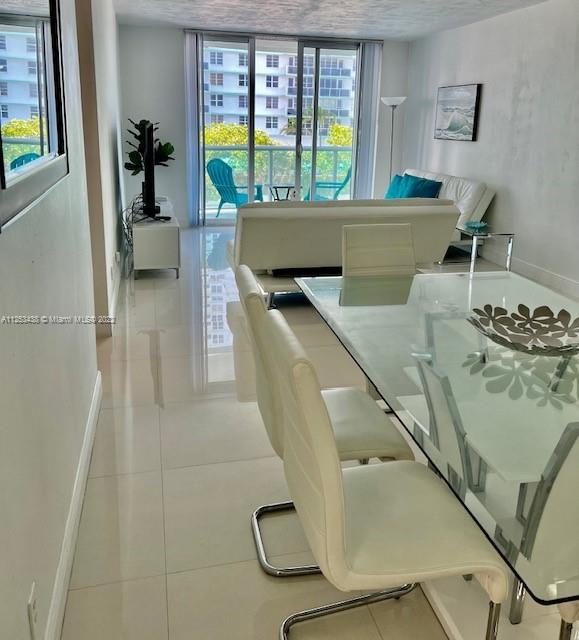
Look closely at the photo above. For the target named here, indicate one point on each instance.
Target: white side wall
(47, 373)
(152, 61)
(106, 68)
(528, 143)
(394, 83)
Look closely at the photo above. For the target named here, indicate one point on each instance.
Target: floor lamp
(393, 102)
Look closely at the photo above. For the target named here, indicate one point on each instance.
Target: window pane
(24, 116)
(226, 117)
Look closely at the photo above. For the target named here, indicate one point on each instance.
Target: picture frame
(457, 112)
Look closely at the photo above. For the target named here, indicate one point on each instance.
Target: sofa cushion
(467, 194)
(415, 187)
(394, 188)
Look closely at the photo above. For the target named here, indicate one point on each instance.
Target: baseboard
(555, 281)
(63, 571)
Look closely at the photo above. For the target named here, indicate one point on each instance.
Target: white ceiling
(390, 19)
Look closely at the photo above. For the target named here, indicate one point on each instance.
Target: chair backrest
(221, 175)
(25, 158)
(311, 463)
(267, 391)
(344, 183)
(377, 250)
(446, 429)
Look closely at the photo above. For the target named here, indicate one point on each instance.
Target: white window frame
(272, 122)
(216, 79)
(272, 102)
(242, 80)
(216, 100)
(272, 82)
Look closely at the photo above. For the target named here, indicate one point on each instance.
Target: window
(291, 83)
(243, 60)
(243, 120)
(272, 81)
(271, 122)
(272, 61)
(243, 80)
(3, 88)
(272, 102)
(32, 163)
(291, 106)
(216, 79)
(242, 102)
(216, 100)
(216, 118)
(216, 57)
(3, 42)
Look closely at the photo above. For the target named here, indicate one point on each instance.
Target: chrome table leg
(473, 253)
(510, 252)
(517, 602)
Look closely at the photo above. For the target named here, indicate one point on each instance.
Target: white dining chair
(377, 250)
(549, 508)
(361, 428)
(379, 527)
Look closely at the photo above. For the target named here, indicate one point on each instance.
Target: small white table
(156, 243)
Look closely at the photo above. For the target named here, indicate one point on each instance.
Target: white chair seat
(361, 428)
(389, 540)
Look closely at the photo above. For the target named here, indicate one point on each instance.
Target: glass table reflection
(498, 420)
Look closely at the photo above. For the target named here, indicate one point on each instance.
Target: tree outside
(22, 129)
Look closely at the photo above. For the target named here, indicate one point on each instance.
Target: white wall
(528, 142)
(98, 53)
(107, 77)
(152, 61)
(394, 83)
(47, 373)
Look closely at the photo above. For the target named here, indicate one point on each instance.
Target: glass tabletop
(484, 232)
(482, 371)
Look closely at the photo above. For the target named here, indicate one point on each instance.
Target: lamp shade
(394, 101)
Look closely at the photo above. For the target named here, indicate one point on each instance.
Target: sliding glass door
(328, 115)
(278, 119)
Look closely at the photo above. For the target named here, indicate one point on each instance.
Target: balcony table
(513, 407)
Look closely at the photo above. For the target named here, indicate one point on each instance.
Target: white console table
(156, 243)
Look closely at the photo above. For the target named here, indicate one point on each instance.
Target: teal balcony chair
(25, 158)
(221, 175)
(336, 187)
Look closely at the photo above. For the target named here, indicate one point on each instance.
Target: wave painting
(457, 112)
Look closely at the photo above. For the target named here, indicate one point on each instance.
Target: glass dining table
(481, 370)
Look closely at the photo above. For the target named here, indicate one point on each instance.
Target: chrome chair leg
(269, 301)
(517, 602)
(344, 605)
(566, 630)
(493, 621)
(277, 572)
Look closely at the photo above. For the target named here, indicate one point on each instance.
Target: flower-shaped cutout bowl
(540, 332)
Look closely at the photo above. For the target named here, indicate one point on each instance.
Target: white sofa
(471, 197)
(295, 235)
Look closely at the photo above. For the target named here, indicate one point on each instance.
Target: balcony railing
(13, 148)
(275, 164)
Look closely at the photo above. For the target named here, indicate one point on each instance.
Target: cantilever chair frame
(552, 469)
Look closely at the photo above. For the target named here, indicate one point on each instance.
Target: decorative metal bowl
(539, 333)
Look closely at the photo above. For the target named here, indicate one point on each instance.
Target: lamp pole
(392, 102)
(392, 109)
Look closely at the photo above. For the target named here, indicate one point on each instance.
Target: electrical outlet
(32, 611)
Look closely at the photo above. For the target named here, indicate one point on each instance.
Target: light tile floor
(164, 549)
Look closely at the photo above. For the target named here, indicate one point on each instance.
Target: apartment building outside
(226, 88)
(18, 74)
